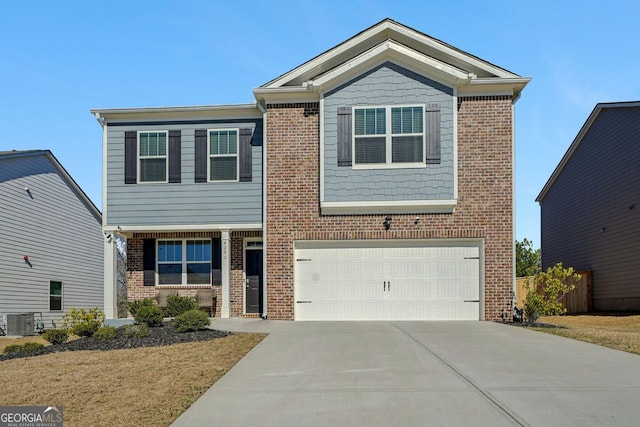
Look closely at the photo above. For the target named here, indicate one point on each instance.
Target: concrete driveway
(420, 373)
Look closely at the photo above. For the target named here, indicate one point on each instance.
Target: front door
(253, 289)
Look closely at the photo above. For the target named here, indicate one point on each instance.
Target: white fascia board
(493, 86)
(387, 207)
(390, 27)
(285, 95)
(129, 229)
(457, 54)
(394, 52)
(173, 113)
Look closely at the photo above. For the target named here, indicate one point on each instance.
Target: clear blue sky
(59, 59)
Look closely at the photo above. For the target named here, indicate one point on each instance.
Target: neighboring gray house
(51, 240)
(590, 206)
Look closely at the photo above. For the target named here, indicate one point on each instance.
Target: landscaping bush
(135, 331)
(133, 306)
(151, 315)
(83, 323)
(545, 291)
(177, 305)
(106, 333)
(192, 320)
(26, 347)
(56, 336)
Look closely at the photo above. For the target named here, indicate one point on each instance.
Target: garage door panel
(359, 281)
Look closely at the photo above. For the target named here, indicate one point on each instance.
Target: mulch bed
(158, 336)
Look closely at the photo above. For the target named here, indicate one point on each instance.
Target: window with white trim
(375, 143)
(223, 155)
(184, 262)
(55, 295)
(152, 156)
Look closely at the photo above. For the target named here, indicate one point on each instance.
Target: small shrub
(133, 306)
(135, 331)
(56, 336)
(13, 348)
(192, 320)
(177, 305)
(30, 346)
(26, 347)
(151, 315)
(545, 291)
(106, 333)
(83, 322)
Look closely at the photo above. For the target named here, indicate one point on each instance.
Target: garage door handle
(472, 300)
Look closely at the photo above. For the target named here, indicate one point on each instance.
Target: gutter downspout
(264, 209)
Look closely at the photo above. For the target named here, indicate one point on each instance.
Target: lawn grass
(621, 332)
(145, 386)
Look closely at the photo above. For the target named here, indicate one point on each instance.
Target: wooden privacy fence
(576, 301)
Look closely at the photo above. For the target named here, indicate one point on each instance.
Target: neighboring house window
(152, 154)
(387, 136)
(223, 155)
(184, 262)
(55, 295)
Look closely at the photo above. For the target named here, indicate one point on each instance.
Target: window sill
(388, 207)
(389, 166)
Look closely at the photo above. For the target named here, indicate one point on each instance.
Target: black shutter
(201, 155)
(130, 157)
(344, 136)
(433, 133)
(175, 155)
(245, 154)
(149, 262)
(216, 261)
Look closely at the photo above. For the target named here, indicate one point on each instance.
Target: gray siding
(595, 191)
(58, 233)
(187, 202)
(384, 85)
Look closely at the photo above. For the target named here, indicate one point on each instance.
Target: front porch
(228, 262)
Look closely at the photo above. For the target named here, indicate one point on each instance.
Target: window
(55, 296)
(153, 156)
(184, 262)
(223, 155)
(376, 143)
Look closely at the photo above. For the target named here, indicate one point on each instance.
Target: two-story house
(374, 181)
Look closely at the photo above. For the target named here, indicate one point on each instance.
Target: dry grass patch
(614, 331)
(145, 386)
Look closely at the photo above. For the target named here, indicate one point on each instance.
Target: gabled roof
(578, 140)
(63, 173)
(390, 40)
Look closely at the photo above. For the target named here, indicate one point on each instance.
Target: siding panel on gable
(51, 226)
(384, 85)
(187, 202)
(591, 215)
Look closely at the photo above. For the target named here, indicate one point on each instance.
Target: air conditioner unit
(20, 324)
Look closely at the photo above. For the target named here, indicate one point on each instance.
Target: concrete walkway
(419, 373)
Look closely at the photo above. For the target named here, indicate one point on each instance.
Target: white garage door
(387, 280)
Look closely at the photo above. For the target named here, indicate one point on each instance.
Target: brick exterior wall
(484, 210)
(135, 256)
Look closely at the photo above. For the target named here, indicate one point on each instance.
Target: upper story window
(184, 262)
(389, 136)
(152, 155)
(223, 155)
